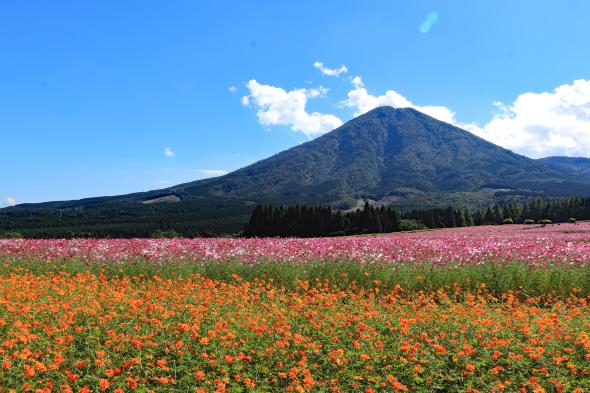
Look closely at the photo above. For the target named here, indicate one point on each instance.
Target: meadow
(499, 308)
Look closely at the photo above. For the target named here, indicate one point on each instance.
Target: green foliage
(126, 219)
(303, 221)
(10, 235)
(528, 221)
(411, 225)
(499, 278)
(572, 220)
(168, 234)
(508, 220)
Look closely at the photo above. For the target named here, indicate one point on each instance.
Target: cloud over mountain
(362, 101)
(535, 124)
(276, 106)
(543, 124)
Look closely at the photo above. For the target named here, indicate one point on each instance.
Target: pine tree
(460, 218)
(498, 218)
(468, 217)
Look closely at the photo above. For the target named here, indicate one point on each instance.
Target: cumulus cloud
(357, 82)
(430, 20)
(535, 124)
(232, 89)
(10, 201)
(276, 106)
(212, 172)
(168, 152)
(330, 71)
(543, 124)
(362, 101)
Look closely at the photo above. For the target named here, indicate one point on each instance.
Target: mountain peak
(391, 110)
(393, 156)
(398, 115)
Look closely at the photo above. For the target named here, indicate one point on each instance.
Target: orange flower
(104, 384)
(417, 369)
(439, 349)
(496, 370)
(249, 383)
(395, 384)
(29, 371)
(65, 389)
(131, 382)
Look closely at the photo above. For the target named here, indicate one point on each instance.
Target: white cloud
(10, 201)
(276, 106)
(360, 99)
(543, 124)
(330, 71)
(232, 89)
(535, 124)
(357, 82)
(212, 172)
(168, 152)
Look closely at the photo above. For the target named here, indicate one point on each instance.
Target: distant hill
(578, 167)
(398, 157)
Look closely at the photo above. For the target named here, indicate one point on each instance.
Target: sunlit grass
(556, 280)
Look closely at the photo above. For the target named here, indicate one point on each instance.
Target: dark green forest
(223, 218)
(128, 219)
(303, 221)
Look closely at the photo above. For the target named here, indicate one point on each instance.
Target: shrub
(528, 221)
(545, 222)
(411, 225)
(572, 220)
(167, 234)
(508, 220)
(11, 235)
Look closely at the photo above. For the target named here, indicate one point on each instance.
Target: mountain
(398, 157)
(578, 167)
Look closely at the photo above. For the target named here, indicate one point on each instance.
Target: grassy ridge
(498, 278)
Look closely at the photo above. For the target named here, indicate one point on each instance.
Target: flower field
(566, 243)
(485, 309)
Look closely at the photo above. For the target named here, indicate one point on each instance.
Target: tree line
(537, 211)
(224, 218)
(315, 221)
(304, 221)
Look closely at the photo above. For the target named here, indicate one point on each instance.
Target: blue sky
(93, 93)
